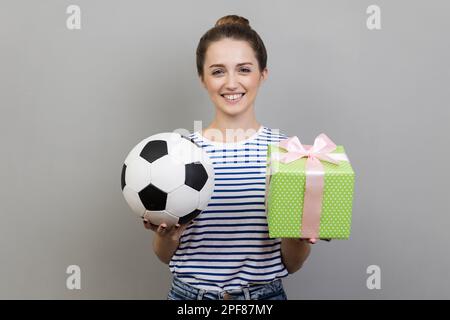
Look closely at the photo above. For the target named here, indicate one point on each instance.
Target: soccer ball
(167, 178)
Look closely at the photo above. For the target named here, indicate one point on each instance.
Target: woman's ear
(202, 82)
(264, 74)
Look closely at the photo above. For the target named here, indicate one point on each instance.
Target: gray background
(74, 102)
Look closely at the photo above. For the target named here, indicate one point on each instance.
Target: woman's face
(231, 75)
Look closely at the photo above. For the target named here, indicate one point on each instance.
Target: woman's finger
(162, 229)
(179, 228)
(149, 225)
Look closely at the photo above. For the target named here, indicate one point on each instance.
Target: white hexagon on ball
(188, 152)
(184, 150)
(182, 201)
(133, 200)
(138, 174)
(167, 173)
(158, 217)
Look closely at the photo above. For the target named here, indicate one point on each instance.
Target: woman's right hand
(173, 232)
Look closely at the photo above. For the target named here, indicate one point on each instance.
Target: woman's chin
(233, 110)
(241, 105)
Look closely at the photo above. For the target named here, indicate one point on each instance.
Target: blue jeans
(270, 291)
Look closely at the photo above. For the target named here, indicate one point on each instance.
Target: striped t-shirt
(228, 246)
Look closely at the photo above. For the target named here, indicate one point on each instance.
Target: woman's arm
(166, 239)
(165, 247)
(294, 252)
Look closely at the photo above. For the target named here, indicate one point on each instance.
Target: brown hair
(234, 27)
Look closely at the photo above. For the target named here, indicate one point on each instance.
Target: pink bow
(321, 149)
(312, 203)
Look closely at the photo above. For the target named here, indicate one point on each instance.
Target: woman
(225, 252)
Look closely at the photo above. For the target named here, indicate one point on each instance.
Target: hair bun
(233, 19)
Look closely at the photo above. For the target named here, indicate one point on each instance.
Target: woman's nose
(231, 82)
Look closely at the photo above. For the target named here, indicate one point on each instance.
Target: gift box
(309, 189)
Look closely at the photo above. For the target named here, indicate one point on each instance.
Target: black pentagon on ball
(153, 198)
(122, 178)
(196, 175)
(185, 219)
(154, 150)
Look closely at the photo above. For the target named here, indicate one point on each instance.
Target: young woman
(225, 252)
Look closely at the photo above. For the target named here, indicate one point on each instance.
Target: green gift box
(285, 195)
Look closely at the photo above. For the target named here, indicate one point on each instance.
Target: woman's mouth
(233, 98)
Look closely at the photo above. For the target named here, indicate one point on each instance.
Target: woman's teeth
(233, 97)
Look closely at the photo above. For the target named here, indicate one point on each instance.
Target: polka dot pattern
(286, 192)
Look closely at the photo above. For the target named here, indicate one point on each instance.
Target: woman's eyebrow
(221, 65)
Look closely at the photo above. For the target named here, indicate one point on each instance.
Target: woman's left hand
(299, 240)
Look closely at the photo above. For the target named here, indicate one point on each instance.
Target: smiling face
(231, 76)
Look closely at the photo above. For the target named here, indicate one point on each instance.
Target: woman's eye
(217, 72)
(245, 70)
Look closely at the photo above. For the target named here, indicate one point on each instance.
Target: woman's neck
(223, 126)
(231, 129)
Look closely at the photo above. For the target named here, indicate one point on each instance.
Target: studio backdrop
(81, 82)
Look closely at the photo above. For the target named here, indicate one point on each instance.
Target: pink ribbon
(312, 203)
